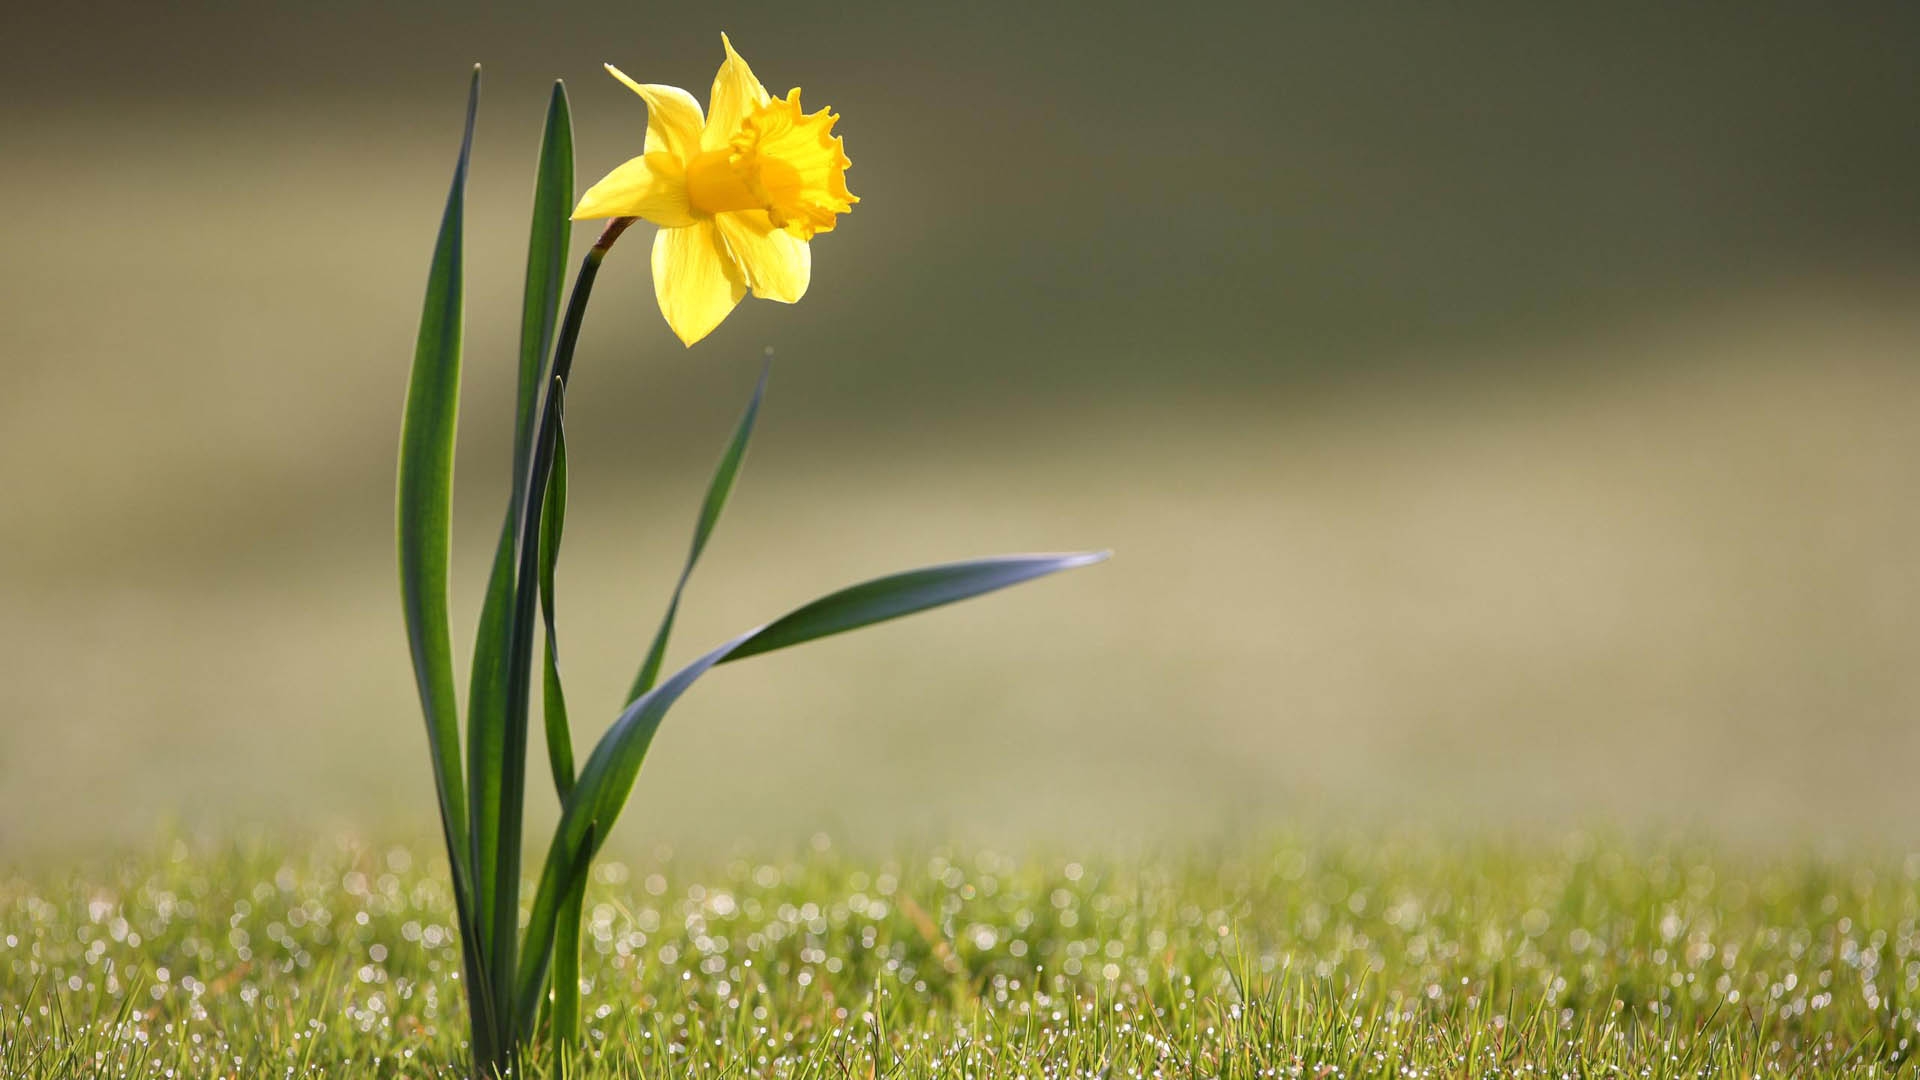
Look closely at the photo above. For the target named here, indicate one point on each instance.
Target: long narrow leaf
(553, 519)
(486, 718)
(566, 964)
(540, 310)
(546, 270)
(900, 594)
(424, 504)
(607, 778)
(491, 679)
(717, 491)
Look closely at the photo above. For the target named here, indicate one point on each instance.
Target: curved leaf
(424, 499)
(902, 594)
(717, 491)
(424, 502)
(607, 778)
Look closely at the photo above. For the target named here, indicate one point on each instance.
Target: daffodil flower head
(738, 193)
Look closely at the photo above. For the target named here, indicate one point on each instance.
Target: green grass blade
(717, 491)
(424, 507)
(607, 778)
(553, 517)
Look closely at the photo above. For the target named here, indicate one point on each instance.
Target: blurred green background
(1504, 415)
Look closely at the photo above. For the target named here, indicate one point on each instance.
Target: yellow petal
(736, 94)
(653, 187)
(695, 279)
(777, 263)
(674, 122)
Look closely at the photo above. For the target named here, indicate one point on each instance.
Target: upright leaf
(491, 679)
(546, 269)
(486, 721)
(423, 527)
(566, 963)
(539, 311)
(425, 496)
(717, 491)
(607, 778)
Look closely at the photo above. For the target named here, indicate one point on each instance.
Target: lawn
(1366, 954)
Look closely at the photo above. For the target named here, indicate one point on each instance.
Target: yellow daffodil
(737, 193)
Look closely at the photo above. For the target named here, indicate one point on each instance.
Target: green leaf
(486, 717)
(608, 776)
(490, 682)
(717, 491)
(425, 496)
(546, 270)
(566, 963)
(423, 527)
(902, 594)
(553, 517)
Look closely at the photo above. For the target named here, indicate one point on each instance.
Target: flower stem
(506, 910)
(570, 333)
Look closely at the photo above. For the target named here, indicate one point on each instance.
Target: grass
(1403, 954)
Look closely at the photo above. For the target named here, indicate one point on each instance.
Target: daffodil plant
(737, 194)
